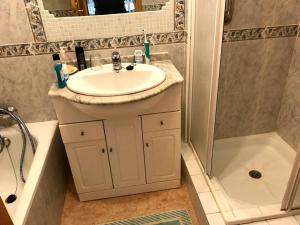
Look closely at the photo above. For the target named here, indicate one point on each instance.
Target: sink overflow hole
(255, 174)
(11, 199)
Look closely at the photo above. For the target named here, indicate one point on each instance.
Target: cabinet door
(162, 155)
(125, 144)
(90, 166)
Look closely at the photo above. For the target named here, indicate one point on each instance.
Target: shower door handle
(229, 7)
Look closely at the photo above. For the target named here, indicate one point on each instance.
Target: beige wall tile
(25, 81)
(251, 85)
(261, 13)
(271, 82)
(289, 117)
(286, 12)
(249, 14)
(14, 23)
(241, 63)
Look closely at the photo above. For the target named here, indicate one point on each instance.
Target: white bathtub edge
(38, 164)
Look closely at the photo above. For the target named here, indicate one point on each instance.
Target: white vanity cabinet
(90, 165)
(162, 146)
(123, 156)
(125, 144)
(87, 154)
(125, 148)
(162, 155)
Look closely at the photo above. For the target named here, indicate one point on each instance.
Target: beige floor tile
(112, 209)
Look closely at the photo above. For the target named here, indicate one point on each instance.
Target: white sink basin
(106, 82)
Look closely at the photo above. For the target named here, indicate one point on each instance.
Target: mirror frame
(35, 8)
(42, 46)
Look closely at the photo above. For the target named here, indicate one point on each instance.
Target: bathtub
(37, 189)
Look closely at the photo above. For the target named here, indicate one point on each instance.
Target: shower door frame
(294, 180)
(214, 77)
(292, 186)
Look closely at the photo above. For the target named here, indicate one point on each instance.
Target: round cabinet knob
(103, 150)
(161, 122)
(82, 133)
(147, 144)
(111, 150)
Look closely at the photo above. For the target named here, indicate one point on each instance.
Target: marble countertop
(172, 77)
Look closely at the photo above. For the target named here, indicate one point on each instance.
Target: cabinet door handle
(82, 133)
(161, 122)
(111, 150)
(103, 150)
(147, 144)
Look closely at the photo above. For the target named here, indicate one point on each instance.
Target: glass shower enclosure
(245, 106)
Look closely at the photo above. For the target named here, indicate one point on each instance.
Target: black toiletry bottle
(80, 58)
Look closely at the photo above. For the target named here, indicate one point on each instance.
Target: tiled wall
(25, 81)
(251, 84)
(25, 78)
(289, 116)
(262, 13)
(14, 24)
(256, 55)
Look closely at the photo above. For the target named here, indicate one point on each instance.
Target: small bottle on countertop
(80, 58)
(63, 59)
(138, 56)
(146, 48)
(61, 82)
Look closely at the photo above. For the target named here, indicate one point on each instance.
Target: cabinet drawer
(82, 131)
(161, 121)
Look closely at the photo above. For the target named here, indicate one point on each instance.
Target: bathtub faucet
(4, 143)
(5, 119)
(11, 112)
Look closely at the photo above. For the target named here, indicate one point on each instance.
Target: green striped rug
(177, 217)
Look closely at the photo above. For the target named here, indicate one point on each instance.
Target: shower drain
(255, 174)
(11, 199)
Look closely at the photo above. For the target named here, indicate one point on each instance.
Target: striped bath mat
(177, 217)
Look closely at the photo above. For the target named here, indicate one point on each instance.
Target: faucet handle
(12, 109)
(116, 57)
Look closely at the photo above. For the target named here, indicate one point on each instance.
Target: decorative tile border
(179, 15)
(241, 35)
(90, 44)
(281, 31)
(35, 20)
(260, 33)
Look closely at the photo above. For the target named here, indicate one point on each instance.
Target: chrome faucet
(4, 143)
(5, 120)
(116, 61)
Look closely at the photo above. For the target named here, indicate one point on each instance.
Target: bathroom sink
(106, 82)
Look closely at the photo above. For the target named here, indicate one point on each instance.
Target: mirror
(67, 8)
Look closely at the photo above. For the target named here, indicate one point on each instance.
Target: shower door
(291, 198)
(206, 45)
